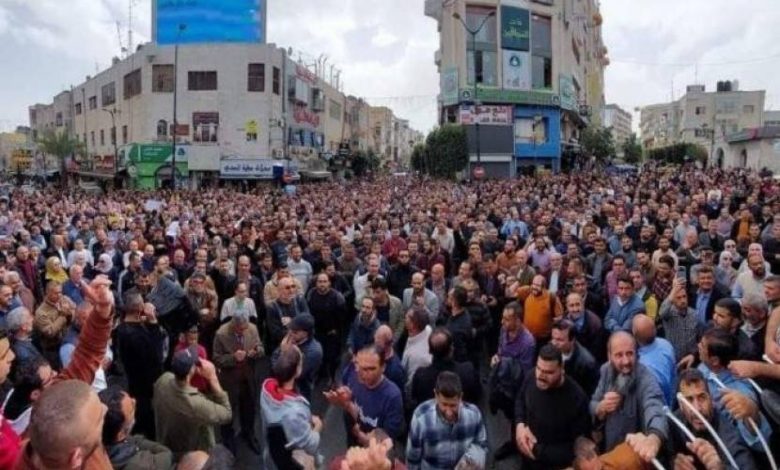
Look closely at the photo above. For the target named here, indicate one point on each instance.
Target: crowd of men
(615, 322)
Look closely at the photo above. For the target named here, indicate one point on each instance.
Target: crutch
(751, 421)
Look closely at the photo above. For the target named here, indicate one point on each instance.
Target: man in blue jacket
(623, 307)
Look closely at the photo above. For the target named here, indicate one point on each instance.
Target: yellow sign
(251, 127)
(21, 159)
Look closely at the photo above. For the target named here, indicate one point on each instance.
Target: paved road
(333, 438)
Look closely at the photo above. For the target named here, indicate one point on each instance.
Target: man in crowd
(578, 362)
(52, 320)
(623, 307)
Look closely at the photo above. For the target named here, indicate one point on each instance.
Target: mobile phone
(681, 273)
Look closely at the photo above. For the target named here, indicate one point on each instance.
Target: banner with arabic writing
(515, 28)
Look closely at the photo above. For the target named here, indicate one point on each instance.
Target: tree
(446, 151)
(363, 162)
(632, 151)
(418, 159)
(679, 153)
(61, 145)
(597, 142)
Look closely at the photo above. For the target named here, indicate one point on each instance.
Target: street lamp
(113, 112)
(707, 132)
(182, 27)
(473, 33)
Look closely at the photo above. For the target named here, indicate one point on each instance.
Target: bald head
(643, 328)
(383, 336)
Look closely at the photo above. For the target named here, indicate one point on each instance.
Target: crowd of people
(613, 321)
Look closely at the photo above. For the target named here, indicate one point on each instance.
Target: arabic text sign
(515, 28)
(489, 115)
(254, 169)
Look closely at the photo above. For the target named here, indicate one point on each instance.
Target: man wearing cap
(301, 334)
(237, 348)
(184, 417)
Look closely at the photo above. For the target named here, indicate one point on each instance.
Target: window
(204, 127)
(256, 78)
(541, 52)
(102, 137)
(482, 53)
(748, 109)
(202, 81)
(527, 127)
(108, 94)
(58, 119)
(162, 129)
(335, 110)
(277, 81)
(78, 108)
(113, 136)
(92, 137)
(132, 84)
(93, 102)
(124, 134)
(162, 78)
(701, 110)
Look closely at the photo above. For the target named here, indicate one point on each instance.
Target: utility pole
(182, 27)
(115, 136)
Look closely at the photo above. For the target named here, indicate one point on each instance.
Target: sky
(386, 48)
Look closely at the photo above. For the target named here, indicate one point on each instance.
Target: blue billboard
(209, 21)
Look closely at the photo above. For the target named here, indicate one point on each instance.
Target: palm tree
(61, 145)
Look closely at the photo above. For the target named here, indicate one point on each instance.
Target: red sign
(181, 130)
(479, 172)
(305, 74)
(303, 115)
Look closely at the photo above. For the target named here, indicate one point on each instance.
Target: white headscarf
(104, 264)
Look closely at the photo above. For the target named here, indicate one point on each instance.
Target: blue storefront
(538, 136)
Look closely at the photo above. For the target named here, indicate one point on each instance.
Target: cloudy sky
(385, 48)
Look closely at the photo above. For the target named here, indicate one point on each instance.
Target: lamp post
(707, 132)
(182, 27)
(113, 112)
(537, 121)
(473, 33)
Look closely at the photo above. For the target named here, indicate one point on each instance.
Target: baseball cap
(302, 322)
(184, 360)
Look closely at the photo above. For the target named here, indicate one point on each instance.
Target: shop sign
(487, 115)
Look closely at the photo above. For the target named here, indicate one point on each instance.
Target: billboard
(515, 28)
(208, 21)
(517, 70)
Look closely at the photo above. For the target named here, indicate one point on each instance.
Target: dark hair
(286, 364)
(626, 279)
(440, 343)
(418, 316)
(114, 419)
(691, 376)
(721, 344)
(731, 306)
(27, 379)
(567, 326)
(551, 354)
(667, 260)
(488, 258)
(460, 295)
(620, 257)
(516, 308)
(708, 269)
(448, 385)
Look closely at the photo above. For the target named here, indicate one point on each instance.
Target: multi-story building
(382, 133)
(618, 121)
(529, 74)
(772, 118)
(701, 117)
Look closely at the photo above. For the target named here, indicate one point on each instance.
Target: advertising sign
(449, 86)
(515, 28)
(494, 95)
(517, 70)
(248, 168)
(208, 21)
(487, 115)
(567, 91)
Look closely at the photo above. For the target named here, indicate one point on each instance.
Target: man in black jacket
(458, 322)
(328, 307)
(440, 344)
(578, 362)
(400, 275)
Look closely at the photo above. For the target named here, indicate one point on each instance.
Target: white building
(619, 121)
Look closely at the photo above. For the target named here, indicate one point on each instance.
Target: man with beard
(752, 280)
(400, 276)
(254, 285)
(628, 401)
(693, 387)
(282, 310)
(67, 420)
(204, 301)
(551, 411)
(328, 307)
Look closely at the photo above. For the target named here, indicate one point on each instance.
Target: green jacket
(137, 453)
(185, 418)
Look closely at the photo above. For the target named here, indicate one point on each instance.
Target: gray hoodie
(291, 411)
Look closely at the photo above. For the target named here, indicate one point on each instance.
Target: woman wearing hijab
(55, 271)
(725, 274)
(106, 266)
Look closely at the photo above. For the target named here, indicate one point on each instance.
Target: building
(772, 118)
(618, 121)
(526, 82)
(701, 117)
(756, 148)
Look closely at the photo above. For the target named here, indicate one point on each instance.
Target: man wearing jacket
(628, 401)
(623, 307)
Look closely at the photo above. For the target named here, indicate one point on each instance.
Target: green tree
(418, 159)
(61, 145)
(597, 142)
(447, 151)
(632, 151)
(363, 162)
